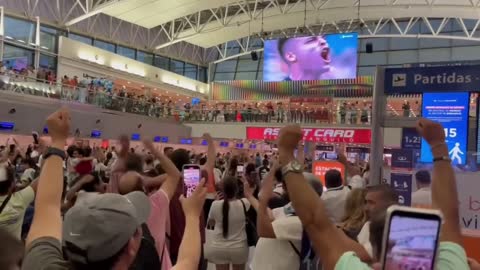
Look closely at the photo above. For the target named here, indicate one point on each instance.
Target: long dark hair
(232, 167)
(108, 158)
(230, 189)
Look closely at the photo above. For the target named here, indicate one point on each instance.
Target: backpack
(147, 255)
(308, 258)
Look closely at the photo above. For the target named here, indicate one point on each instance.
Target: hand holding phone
(410, 238)
(240, 168)
(191, 177)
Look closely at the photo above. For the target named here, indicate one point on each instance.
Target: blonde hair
(355, 215)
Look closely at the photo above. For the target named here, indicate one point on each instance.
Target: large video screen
(325, 57)
(450, 110)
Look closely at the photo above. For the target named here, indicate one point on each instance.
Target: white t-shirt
(278, 253)
(11, 218)
(335, 200)
(237, 236)
(27, 176)
(363, 238)
(422, 197)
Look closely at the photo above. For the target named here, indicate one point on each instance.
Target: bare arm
(47, 221)
(154, 182)
(190, 248)
(210, 153)
(444, 188)
(170, 185)
(327, 240)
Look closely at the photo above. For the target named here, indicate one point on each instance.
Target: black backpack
(147, 255)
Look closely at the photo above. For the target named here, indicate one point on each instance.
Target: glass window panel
(80, 38)
(19, 30)
(372, 59)
(402, 57)
(465, 53)
(378, 44)
(144, 57)
(190, 71)
(459, 42)
(176, 66)
(434, 55)
(17, 58)
(162, 62)
(227, 76)
(434, 43)
(260, 75)
(227, 66)
(48, 41)
(48, 62)
(127, 52)
(104, 45)
(247, 65)
(246, 76)
(202, 74)
(403, 43)
(366, 71)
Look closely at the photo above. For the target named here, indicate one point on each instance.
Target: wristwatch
(292, 167)
(51, 151)
(443, 158)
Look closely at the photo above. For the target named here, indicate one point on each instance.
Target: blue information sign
(402, 184)
(451, 110)
(411, 139)
(432, 79)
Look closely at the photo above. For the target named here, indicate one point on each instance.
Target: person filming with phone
(339, 252)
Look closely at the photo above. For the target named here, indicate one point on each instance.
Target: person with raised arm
(190, 248)
(336, 250)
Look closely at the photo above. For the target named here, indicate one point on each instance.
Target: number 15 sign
(450, 110)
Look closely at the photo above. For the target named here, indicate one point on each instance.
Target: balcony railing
(98, 97)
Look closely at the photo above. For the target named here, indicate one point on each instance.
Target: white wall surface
(93, 59)
(31, 112)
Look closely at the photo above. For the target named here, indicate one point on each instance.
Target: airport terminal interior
(239, 134)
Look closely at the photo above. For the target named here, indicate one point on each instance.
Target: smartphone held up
(191, 176)
(410, 239)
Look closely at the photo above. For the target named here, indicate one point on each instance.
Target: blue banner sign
(432, 79)
(402, 159)
(402, 184)
(450, 110)
(411, 139)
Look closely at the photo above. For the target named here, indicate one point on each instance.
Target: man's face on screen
(310, 53)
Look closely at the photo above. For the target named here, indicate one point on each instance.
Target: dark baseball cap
(101, 226)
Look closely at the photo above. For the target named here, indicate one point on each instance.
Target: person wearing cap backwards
(102, 233)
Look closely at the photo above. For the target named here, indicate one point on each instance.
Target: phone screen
(191, 177)
(412, 241)
(240, 168)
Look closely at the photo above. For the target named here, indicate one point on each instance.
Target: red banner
(328, 135)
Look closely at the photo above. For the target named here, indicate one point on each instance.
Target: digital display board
(157, 139)
(7, 125)
(135, 137)
(223, 144)
(450, 110)
(239, 145)
(96, 134)
(253, 146)
(185, 141)
(45, 130)
(324, 57)
(204, 142)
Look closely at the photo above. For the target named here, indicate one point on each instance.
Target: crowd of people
(124, 208)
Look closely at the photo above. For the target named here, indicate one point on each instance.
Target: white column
(378, 118)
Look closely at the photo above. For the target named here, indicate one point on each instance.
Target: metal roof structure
(204, 29)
